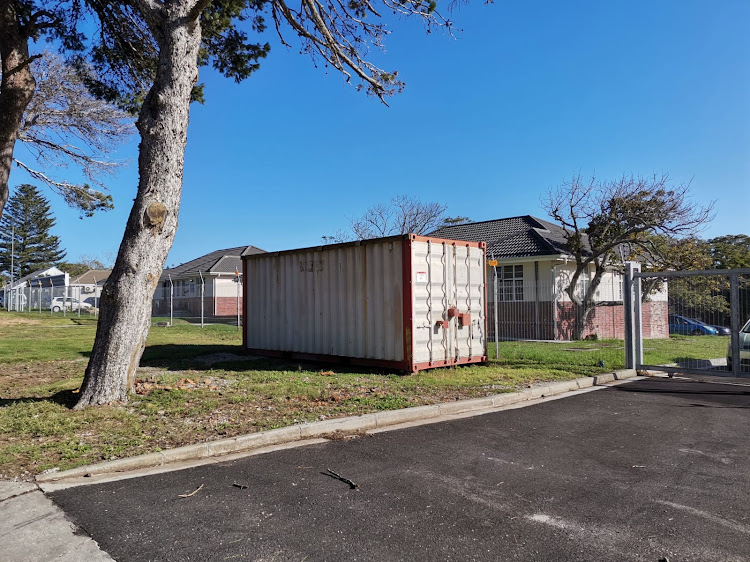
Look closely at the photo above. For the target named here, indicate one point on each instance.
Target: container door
(448, 280)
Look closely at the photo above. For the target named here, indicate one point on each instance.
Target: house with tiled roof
(209, 284)
(534, 266)
(88, 286)
(16, 294)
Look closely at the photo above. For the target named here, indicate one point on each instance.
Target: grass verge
(194, 385)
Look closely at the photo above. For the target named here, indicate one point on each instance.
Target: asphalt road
(646, 470)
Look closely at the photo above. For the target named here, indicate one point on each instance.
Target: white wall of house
(519, 282)
(227, 287)
(86, 290)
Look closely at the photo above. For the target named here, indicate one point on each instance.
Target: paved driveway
(642, 471)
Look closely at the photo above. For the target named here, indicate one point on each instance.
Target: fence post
(734, 308)
(96, 299)
(637, 317)
(203, 292)
(627, 301)
(239, 281)
(538, 324)
(497, 323)
(171, 300)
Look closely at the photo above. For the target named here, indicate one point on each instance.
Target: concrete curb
(377, 420)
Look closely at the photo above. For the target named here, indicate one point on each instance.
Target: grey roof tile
(523, 236)
(92, 276)
(221, 261)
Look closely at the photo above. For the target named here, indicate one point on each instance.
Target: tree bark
(583, 306)
(16, 89)
(125, 316)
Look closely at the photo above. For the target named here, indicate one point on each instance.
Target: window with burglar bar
(510, 279)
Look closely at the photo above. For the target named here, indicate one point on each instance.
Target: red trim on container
(417, 238)
(486, 303)
(244, 303)
(464, 361)
(407, 300)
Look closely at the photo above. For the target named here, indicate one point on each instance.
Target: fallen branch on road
(336, 476)
(191, 493)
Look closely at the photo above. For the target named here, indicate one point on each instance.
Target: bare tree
(402, 215)
(336, 31)
(602, 220)
(64, 124)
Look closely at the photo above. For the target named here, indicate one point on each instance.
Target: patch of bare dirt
(144, 386)
(15, 320)
(16, 379)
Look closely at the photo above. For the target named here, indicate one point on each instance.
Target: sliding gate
(708, 313)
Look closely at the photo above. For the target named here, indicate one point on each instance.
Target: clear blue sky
(526, 95)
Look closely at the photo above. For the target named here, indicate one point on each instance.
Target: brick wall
(607, 321)
(227, 306)
(655, 320)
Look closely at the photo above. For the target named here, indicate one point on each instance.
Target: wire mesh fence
(63, 301)
(177, 301)
(533, 323)
(544, 311)
(708, 312)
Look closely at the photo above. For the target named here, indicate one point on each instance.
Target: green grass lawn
(195, 385)
(593, 357)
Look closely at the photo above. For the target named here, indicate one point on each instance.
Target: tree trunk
(16, 89)
(579, 324)
(126, 297)
(584, 306)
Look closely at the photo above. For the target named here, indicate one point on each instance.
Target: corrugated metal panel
(408, 302)
(341, 300)
(448, 275)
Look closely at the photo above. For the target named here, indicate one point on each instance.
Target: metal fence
(195, 306)
(543, 311)
(51, 300)
(714, 305)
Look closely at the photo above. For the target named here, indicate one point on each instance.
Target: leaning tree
(605, 221)
(174, 39)
(46, 106)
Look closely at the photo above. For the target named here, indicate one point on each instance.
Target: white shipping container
(405, 302)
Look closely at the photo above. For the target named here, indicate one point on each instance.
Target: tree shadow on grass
(175, 357)
(66, 398)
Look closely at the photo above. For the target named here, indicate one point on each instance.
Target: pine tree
(28, 219)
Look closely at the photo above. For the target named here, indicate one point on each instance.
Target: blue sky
(525, 95)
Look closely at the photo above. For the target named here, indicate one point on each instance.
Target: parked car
(723, 330)
(744, 347)
(58, 303)
(689, 327)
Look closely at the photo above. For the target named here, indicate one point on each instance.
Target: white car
(744, 347)
(58, 303)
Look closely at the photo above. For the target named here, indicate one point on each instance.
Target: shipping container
(404, 302)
